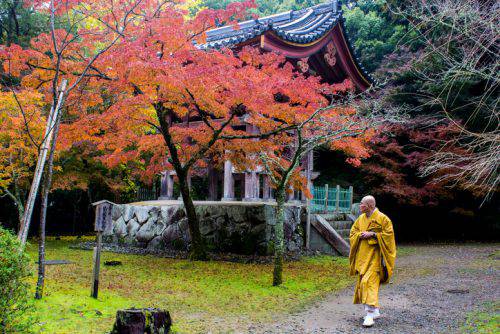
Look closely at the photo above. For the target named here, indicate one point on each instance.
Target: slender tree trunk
(197, 245)
(198, 251)
(43, 214)
(279, 242)
(41, 242)
(30, 202)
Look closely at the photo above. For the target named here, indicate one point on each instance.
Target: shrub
(15, 301)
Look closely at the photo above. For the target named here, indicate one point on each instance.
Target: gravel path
(432, 290)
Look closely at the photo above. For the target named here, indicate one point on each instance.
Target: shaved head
(367, 204)
(369, 200)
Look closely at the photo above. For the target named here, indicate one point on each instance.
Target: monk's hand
(367, 235)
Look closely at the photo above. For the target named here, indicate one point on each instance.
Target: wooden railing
(328, 199)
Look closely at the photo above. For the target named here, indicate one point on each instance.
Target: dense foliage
(374, 31)
(14, 289)
(264, 7)
(391, 43)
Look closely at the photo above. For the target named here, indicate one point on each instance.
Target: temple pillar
(308, 168)
(228, 182)
(266, 188)
(251, 186)
(167, 186)
(256, 183)
(212, 182)
(291, 194)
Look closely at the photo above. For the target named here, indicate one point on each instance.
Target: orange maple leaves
(156, 67)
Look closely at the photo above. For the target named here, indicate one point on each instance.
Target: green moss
(121, 240)
(270, 247)
(195, 293)
(483, 321)
(179, 244)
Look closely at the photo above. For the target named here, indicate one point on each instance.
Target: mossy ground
(484, 321)
(201, 296)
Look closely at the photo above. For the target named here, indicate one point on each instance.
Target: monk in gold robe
(372, 256)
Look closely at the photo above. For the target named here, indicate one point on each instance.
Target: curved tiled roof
(301, 27)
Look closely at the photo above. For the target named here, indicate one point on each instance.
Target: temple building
(316, 33)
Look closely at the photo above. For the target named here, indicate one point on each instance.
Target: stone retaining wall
(232, 227)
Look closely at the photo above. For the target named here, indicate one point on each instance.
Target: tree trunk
(197, 245)
(41, 242)
(279, 243)
(43, 214)
(140, 321)
(30, 202)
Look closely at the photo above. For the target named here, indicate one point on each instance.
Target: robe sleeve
(387, 246)
(354, 241)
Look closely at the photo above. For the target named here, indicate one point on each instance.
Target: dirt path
(432, 290)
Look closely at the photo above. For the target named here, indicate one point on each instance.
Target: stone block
(120, 228)
(128, 212)
(156, 243)
(132, 227)
(141, 214)
(171, 234)
(147, 231)
(116, 211)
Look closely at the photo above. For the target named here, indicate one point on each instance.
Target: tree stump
(141, 321)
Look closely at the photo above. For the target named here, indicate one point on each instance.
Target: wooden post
(163, 185)
(326, 198)
(351, 195)
(212, 182)
(170, 185)
(248, 187)
(291, 195)
(266, 188)
(337, 200)
(256, 185)
(308, 222)
(102, 221)
(97, 264)
(251, 186)
(228, 182)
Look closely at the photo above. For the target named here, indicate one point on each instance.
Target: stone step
(344, 233)
(330, 236)
(341, 224)
(333, 216)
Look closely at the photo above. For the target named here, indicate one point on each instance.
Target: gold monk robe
(372, 260)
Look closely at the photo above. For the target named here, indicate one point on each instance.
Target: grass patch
(201, 296)
(484, 321)
(406, 250)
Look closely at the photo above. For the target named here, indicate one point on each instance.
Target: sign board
(103, 218)
(103, 221)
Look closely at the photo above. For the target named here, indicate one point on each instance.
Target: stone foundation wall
(241, 228)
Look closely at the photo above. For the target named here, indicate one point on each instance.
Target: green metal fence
(331, 199)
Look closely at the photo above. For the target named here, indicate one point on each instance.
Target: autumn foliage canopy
(153, 73)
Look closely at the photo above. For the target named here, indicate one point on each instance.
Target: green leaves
(15, 302)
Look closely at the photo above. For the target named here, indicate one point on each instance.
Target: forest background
(423, 207)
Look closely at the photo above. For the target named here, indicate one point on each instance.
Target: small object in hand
(113, 263)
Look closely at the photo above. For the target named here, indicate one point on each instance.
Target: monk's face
(366, 206)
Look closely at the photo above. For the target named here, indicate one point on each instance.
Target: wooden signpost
(103, 221)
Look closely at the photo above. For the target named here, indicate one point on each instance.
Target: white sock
(369, 308)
